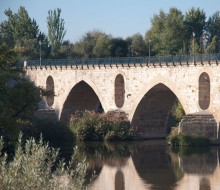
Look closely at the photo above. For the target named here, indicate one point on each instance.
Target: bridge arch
(151, 110)
(82, 96)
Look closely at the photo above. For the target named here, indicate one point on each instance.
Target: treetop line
(171, 33)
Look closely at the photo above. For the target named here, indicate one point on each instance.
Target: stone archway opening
(119, 91)
(153, 113)
(204, 91)
(81, 97)
(50, 90)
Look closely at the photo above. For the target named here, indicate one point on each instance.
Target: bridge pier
(199, 124)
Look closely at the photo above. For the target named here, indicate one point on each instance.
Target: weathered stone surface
(199, 124)
(46, 114)
(181, 81)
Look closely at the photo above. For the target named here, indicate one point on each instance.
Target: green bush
(92, 126)
(186, 140)
(35, 166)
(83, 125)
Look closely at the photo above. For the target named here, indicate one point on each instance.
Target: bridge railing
(125, 60)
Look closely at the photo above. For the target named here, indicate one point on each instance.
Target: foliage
(176, 115)
(138, 47)
(93, 44)
(102, 46)
(7, 58)
(214, 45)
(213, 33)
(57, 134)
(167, 33)
(35, 166)
(20, 25)
(19, 100)
(194, 22)
(56, 30)
(213, 25)
(19, 96)
(186, 140)
(119, 47)
(177, 111)
(91, 126)
(171, 34)
(21, 33)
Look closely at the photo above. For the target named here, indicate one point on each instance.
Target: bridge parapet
(127, 61)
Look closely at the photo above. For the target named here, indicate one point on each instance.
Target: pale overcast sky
(120, 18)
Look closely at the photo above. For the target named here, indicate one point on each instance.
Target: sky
(120, 18)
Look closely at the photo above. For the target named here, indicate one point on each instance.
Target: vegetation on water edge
(35, 166)
(175, 139)
(93, 126)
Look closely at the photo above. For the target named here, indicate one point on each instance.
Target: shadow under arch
(159, 79)
(151, 116)
(80, 98)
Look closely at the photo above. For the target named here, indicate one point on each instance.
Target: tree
(56, 30)
(167, 33)
(213, 32)
(19, 96)
(21, 33)
(119, 47)
(87, 47)
(194, 22)
(103, 46)
(20, 26)
(138, 46)
(213, 46)
(213, 25)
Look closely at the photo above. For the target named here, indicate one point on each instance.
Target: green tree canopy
(21, 33)
(56, 30)
(20, 26)
(213, 33)
(167, 33)
(119, 47)
(103, 46)
(138, 46)
(195, 20)
(93, 44)
(213, 46)
(19, 96)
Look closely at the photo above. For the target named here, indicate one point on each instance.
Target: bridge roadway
(145, 89)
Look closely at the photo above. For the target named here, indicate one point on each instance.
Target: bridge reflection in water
(156, 167)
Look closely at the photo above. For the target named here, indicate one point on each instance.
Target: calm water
(149, 165)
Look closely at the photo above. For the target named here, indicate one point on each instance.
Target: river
(151, 164)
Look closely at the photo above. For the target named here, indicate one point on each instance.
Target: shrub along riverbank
(110, 126)
(36, 166)
(177, 139)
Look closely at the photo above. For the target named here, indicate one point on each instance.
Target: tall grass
(35, 166)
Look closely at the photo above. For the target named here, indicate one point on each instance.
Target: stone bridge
(145, 89)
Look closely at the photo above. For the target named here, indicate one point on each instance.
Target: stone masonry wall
(182, 80)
